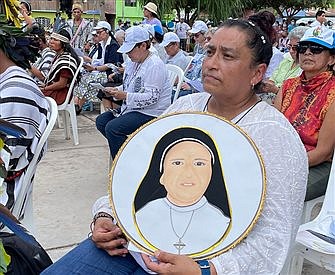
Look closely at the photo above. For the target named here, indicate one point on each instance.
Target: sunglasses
(100, 31)
(315, 49)
(292, 47)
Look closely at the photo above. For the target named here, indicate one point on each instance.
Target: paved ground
(68, 181)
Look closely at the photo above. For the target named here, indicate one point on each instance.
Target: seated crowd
(233, 68)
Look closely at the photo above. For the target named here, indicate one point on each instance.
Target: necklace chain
(188, 225)
(206, 109)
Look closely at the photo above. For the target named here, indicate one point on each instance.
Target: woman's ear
(260, 70)
(161, 179)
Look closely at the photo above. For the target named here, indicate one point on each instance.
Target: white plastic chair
(175, 73)
(190, 58)
(306, 248)
(23, 206)
(67, 109)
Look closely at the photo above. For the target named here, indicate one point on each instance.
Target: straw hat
(151, 7)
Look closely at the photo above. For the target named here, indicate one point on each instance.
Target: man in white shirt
(320, 18)
(181, 30)
(175, 55)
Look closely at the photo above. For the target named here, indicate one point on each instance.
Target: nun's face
(187, 171)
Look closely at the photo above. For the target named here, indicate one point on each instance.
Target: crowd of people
(275, 82)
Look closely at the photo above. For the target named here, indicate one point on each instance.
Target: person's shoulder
(189, 103)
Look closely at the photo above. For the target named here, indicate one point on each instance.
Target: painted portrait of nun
(181, 205)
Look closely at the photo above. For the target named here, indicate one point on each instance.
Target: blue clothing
(116, 129)
(87, 259)
(111, 54)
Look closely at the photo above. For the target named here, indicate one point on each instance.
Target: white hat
(94, 32)
(134, 35)
(103, 25)
(151, 7)
(199, 26)
(150, 29)
(168, 38)
(320, 35)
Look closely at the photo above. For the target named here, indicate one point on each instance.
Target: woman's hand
(172, 264)
(115, 93)
(106, 235)
(268, 86)
(185, 86)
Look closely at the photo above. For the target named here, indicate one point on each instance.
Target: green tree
(214, 9)
(290, 8)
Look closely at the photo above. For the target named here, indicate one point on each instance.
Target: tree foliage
(210, 9)
(217, 10)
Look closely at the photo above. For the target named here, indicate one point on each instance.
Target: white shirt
(180, 60)
(266, 247)
(275, 60)
(181, 30)
(148, 92)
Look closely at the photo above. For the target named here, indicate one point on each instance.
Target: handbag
(27, 256)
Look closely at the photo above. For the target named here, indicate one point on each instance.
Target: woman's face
(292, 47)
(187, 170)
(228, 70)
(23, 8)
(55, 44)
(199, 38)
(315, 63)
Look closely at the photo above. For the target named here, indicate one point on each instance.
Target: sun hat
(151, 7)
(320, 35)
(168, 38)
(77, 6)
(199, 26)
(134, 35)
(103, 25)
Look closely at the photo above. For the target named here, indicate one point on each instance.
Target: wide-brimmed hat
(169, 37)
(151, 7)
(134, 35)
(103, 25)
(199, 26)
(320, 35)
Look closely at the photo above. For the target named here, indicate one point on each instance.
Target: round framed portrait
(187, 183)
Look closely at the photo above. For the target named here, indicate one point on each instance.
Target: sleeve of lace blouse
(101, 205)
(265, 249)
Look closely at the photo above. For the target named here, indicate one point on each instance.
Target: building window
(130, 3)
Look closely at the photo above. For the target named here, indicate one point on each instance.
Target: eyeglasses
(292, 47)
(169, 45)
(315, 49)
(100, 31)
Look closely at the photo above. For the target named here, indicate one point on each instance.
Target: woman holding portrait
(237, 48)
(308, 102)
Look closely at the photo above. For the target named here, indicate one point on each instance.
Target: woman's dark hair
(319, 13)
(27, 5)
(265, 20)
(150, 188)
(147, 44)
(257, 41)
(67, 47)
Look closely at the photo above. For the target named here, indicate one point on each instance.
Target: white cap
(134, 35)
(150, 29)
(199, 26)
(103, 25)
(320, 35)
(168, 38)
(94, 32)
